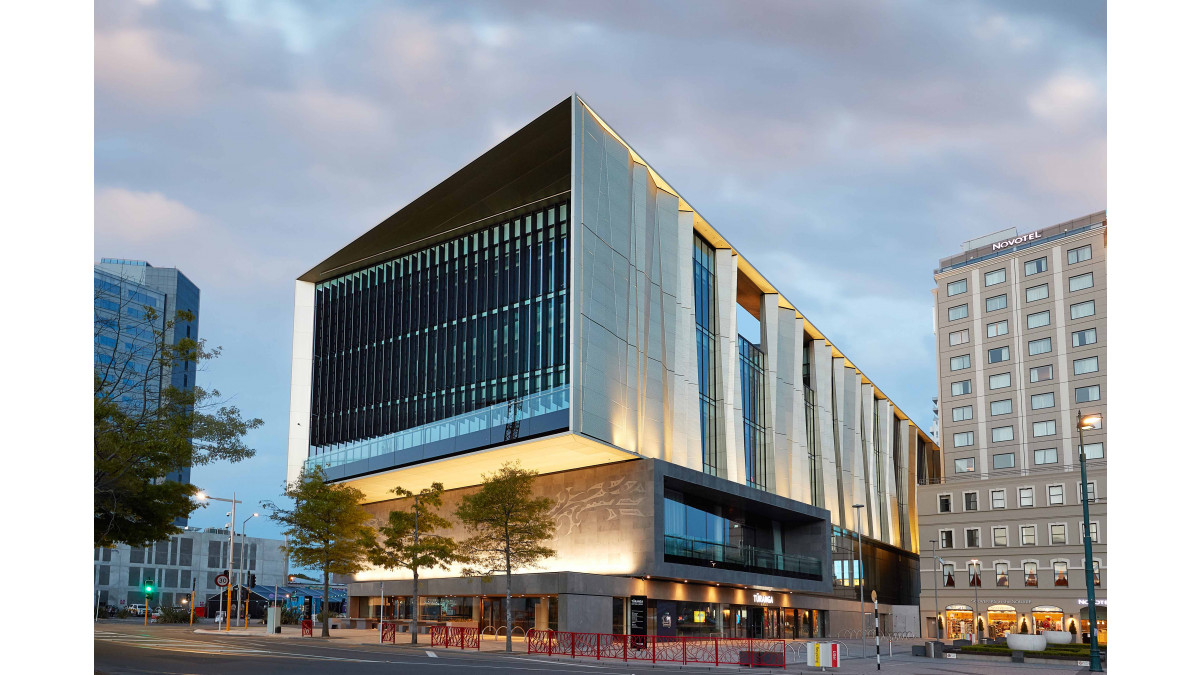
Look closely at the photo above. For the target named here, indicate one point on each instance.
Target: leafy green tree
(326, 527)
(145, 428)
(510, 529)
(409, 540)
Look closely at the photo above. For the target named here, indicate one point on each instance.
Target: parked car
(137, 610)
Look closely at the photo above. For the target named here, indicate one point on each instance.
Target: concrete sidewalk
(369, 636)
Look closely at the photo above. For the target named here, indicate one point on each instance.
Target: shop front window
(1002, 620)
(1046, 617)
(958, 621)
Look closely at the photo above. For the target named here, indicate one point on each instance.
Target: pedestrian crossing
(173, 644)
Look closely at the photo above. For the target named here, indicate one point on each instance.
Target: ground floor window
(1101, 624)
(1001, 620)
(1046, 617)
(958, 622)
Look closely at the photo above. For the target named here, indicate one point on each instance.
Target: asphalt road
(175, 650)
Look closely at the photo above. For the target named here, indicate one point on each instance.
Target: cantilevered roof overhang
(530, 167)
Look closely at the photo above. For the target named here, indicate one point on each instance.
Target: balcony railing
(748, 558)
(491, 417)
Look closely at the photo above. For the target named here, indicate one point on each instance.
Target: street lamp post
(937, 607)
(861, 574)
(975, 581)
(232, 519)
(1082, 423)
(244, 573)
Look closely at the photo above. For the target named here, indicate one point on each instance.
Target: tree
(509, 526)
(145, 428)
(409, 540)
(326, 527)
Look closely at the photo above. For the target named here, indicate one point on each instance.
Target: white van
(137, 610)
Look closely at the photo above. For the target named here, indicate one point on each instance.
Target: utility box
(274, 620)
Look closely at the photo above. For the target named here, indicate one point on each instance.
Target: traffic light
(148, 587)
(252, 579)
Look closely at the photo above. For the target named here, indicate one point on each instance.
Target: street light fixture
(937, 607)
(232, 519)
(975, 580)
(1092, 421)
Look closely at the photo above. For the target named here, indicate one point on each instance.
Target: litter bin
(933, 649)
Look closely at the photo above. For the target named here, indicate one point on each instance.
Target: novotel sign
(764, 598)
(1016, 240)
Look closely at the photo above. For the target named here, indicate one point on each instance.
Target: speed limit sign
(222, 580)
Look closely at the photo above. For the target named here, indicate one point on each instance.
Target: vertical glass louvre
(754, 414)
(461, 325)
(704, 286)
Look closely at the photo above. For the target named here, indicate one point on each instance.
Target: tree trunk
(507, 599)
(325, 607)
(413, 624)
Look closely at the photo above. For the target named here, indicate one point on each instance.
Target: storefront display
(1047, 617)
(958, 622)
(1002, 619)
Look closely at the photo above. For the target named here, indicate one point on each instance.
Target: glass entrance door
(756, 622)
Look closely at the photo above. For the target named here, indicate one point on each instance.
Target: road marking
(431, 654)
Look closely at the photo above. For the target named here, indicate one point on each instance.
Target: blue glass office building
(556, 302)
(124, 337)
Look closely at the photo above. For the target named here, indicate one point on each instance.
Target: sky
(844, 147)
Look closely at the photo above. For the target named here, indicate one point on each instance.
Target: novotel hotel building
(556, 302)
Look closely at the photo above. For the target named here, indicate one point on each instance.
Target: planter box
(1057, 637)
(1026, 643)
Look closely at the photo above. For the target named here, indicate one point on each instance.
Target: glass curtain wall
(461, 325)
(815, 485)
(704, 286)
(754, 414)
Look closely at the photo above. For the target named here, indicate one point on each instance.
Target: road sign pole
(875, 601)
(146, 612)
(192, 606)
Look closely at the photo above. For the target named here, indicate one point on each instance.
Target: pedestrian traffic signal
(252, 579)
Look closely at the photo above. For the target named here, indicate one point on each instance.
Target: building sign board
(1100, 602)
(637, 621)
(1001, 245)
(764, 598)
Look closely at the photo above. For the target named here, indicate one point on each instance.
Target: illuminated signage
(1100, 602)
(764, 598)
(1016, 240)
(698, 617)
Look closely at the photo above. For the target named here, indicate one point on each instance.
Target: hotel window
(964, 465)
(1000, 381)
(1082, 309)
(1060, 573)
(999, 536)
(1091, 492)
(1001, 434)
(948, 576)
(960, 388)
(1030, 574)
(944, 503)
(1002, 568)
(1002, 407)
(960, 362)
(1087, 394)
(998, 355)
(1094, 531)
(1083, 337)
(1096, 573)
(947, 539)
(962, 414)
(1058, 534)
(997, 329)
(956, 287)
(999, 499)
(1080, 282)
(1077, 255)
(997, 302)
(959, 312)
(994, 277)
(1041, 373)
(1038, 320)
(1026, 496)
(1005, 460)
(970, 501)
(959, 337)
(964, 438)
(1084, 366)
(1040, 401)
(1043, 346)
(972, 537)
(1035, 266)
(1093, 450)
(1046, 428)
(1029, 535)
(1035, 293)
(1046, 456)
(1055, 495)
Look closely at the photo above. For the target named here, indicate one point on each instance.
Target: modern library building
(556, 302)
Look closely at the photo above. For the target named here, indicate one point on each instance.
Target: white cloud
(128, 215)
(1065, 99)
(130, 63)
